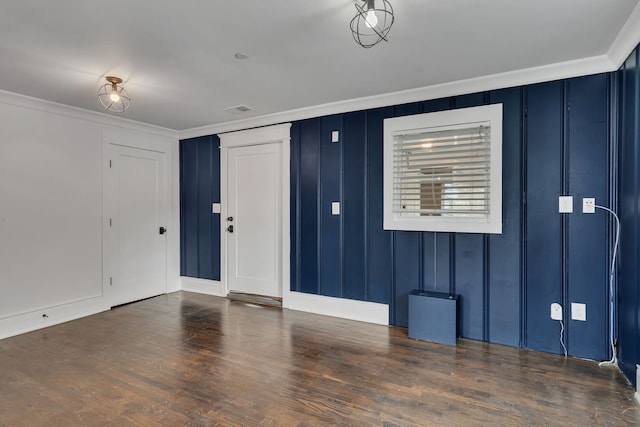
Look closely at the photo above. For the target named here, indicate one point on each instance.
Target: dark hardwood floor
(193, 360)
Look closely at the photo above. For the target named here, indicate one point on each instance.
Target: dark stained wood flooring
(185, 359)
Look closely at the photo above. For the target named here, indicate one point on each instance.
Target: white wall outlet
(215, 208)
(565, 204)
(579, 311)
(335, 136)
(556, 311)
(589, 205)
(335, 208)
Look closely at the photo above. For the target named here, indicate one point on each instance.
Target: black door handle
(230, 229)
(163, 230)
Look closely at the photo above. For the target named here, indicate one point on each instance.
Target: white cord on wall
(614, 359)
(564, 347)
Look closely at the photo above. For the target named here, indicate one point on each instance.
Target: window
(443, 171)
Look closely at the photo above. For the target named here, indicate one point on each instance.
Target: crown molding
(579, 67)
(626, 40)
(624, 43)
(37, 104)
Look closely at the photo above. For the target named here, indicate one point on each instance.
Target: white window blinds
(443, 171)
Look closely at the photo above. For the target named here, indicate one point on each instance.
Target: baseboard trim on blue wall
(49, 316)
(637, 394)
(362, 311)
(203, 286)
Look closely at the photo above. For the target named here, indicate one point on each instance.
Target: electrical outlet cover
(335, 208)
(556, 311)
(588, 205)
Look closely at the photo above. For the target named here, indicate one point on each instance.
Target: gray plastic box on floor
(433, 316)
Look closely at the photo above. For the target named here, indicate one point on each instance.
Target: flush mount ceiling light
(112, 96)
(372, 23)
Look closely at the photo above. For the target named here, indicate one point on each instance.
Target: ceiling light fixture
(372, 23)
(112, 96)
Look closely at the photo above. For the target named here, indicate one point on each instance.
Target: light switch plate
(335, 208)
(215, 208)
(578, 311)
(335, 136)
(565, 204)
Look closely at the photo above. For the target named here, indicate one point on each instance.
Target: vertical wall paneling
(380, 262)
(215, 198)
(204, 200)
(587, 233)
(469, 271)
(407, 251)
(188, 209)
(543, 228)
(309, 227)
(555, 141)
(294, 207)
(354, 244)
(199, 188)
(330, 191)
(469, 263)
(614, 179)
(628, 295)
(504, 260)
(437, 271)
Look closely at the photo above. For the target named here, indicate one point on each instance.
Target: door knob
(162, 230)
(229, 218)
(230, 229)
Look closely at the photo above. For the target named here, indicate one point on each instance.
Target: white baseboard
(31, 321)
(203, 286)
(363, 311)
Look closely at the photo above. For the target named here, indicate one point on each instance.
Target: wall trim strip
(545, 73)
(626, 40)
(24, 101)
(49, 316)
(362, 311)
(203, 286)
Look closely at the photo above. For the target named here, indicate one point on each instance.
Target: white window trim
(493, 224)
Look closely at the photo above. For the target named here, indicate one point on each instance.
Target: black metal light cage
(365, 34)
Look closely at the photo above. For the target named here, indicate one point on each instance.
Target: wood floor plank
(185, 359)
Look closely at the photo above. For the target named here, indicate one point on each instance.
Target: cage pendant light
(372, 22)
(114, 97)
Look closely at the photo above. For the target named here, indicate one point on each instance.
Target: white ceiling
(177, 57)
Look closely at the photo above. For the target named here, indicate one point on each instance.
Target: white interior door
(254, 187)
(137, 186)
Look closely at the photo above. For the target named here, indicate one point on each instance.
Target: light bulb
(371, 20)
(115, 97)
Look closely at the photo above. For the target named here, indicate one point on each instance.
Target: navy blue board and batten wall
(199, 189)
(555, 141)
(629, 196)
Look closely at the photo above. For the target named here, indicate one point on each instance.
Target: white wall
(51, 210)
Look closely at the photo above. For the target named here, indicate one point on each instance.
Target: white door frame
(142, 142)
(277, 134)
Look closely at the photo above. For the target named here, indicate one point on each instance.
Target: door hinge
(111, 280)
(109, 164)
(110, 222)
